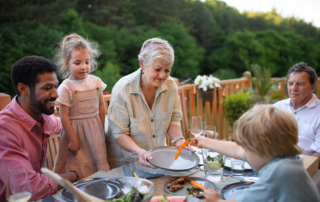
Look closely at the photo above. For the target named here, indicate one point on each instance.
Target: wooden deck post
(4, 100)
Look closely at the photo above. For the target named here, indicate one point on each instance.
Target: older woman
(145, 106)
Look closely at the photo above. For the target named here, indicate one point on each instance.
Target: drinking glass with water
(237, 167)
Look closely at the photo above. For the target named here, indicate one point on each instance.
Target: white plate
(163, 157)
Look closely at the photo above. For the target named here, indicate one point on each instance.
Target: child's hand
(73, 147)
(212, 196)
(198, 141)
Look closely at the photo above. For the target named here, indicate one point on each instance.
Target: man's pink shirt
(24, 141)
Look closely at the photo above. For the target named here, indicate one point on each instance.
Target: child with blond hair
(266, 137)
(82, 109)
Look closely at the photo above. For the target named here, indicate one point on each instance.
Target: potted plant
(207, 84)
(235, 105)
(266, 89)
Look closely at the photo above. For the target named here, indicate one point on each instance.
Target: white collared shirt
(308, 118)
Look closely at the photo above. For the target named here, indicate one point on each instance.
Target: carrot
(181, 148)
(198, 185)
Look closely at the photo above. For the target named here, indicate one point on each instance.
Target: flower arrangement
(207, 82)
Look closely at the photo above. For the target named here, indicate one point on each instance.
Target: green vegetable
(190, 190)
(196, 188)
(132, 196)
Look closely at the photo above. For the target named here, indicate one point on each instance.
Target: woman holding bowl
(144, 106)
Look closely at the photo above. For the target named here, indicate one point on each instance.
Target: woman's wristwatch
(176, 139)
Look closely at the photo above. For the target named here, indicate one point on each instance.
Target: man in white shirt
(305, 106)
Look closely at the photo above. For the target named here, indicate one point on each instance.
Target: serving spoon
(80, 195)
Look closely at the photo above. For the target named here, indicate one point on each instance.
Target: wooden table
(310, 163)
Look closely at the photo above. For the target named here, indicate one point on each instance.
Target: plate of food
(164, 158)
(174, 198)
(235, 189)
(188, 186)
(135, 189)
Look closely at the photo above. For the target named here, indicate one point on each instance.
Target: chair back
(52, 151)
(4, 100)
(184, 120)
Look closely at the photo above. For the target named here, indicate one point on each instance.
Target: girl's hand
(212, 196)
(74, 146)
(198, 141)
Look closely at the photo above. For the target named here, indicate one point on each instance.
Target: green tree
(109, 74)
(243, 50)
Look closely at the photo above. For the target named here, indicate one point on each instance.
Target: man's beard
(40, 106)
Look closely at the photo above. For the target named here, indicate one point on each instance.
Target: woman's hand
(212, 196)
(74, 146)
(198, 141)
(148, 157)
(180, 142)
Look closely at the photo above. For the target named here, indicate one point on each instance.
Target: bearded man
(26, 124)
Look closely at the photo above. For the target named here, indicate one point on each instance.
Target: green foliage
(109, 74)
(207, 36)
(224, 74)
(187, 53)
(262, 82)
(235, 105)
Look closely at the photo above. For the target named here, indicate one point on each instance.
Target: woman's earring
(142, 72)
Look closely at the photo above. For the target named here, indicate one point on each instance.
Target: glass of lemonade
(18, 186)
(213, 165)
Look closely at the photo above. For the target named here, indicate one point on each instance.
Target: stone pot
(207, 95)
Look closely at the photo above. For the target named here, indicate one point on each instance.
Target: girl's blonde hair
(156, 48)
(75, 42)
(267, 131)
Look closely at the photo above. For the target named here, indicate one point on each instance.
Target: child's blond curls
(267, 130)
(75, 42)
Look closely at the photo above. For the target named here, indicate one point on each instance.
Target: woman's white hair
(156, 48)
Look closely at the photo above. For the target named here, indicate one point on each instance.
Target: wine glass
(210, 131)
(18, 187)
(196, 126)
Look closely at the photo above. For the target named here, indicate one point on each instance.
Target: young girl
(82, 110)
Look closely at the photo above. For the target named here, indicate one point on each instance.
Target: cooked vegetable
(195, 191)
(187, 178)
(203, 188)
(181, 148)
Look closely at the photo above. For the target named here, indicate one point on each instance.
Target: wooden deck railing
(212, 112)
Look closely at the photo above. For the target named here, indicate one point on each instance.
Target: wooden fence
(191, 101)
(212, 111)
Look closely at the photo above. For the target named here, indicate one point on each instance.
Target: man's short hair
(267, 130)
(303, 67)
(27, 69)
